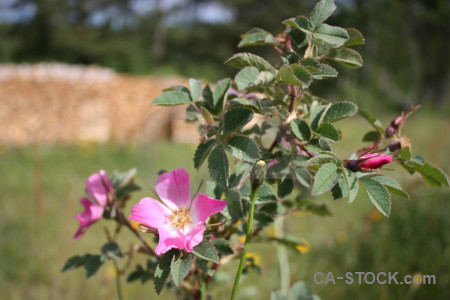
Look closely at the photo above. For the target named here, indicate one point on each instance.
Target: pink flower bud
(390, 131)
(374, 161)
(394, 146)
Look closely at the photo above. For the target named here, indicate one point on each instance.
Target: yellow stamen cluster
(180, 218)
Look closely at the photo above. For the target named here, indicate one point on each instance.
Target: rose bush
(281, 158)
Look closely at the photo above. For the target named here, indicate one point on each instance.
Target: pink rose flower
(374, 161)
(178, 219)
(98, 188)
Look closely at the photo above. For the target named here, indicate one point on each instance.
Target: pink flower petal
(194, 237)
(91, 214)
(98, 186)
(375, 161)
(150, 212)
(169, 239)
(173, 188)
(204, 206)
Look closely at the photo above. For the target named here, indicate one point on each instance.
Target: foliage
(294, 136)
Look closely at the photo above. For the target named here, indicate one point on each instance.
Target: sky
(209, 12)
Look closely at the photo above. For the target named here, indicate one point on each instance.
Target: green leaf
(220, 93)
(126, 190)
(242, 60)
(74, 262)
(264, 78)
(196, 88)
(392, 186)
(218, 166)
(432, 175)
(318, 209)
(179, 88)
(223, 247)
(265, 194)
(236, 118)
(92, 264)
(353, 185)
(303, 176)
(112, 250)
(301, 129)
(326, 71)
(300, 290)
(120, 179)
(243, 102)
(328, 131)
(318, 145)
(355, 37)
(371, 136)
(323, 158)
(138, 273)
(302, 23)
(316, 114)
(246, 77)
(332, 35)
(234, 209)
(202, 152)
(172, 98)
(207, 95)
(378, 194)
(277, 295)
(206, 250)
(326, 177)
(321, 12)
(180, 267)
(299, 41)
(255, 37)
(404, 154)
(285, 187)
(243, 147)
(294, 74)
(288, 242)
(346, 57)
(372, 120)
(162, 271)
(340, 189)
(340, 110)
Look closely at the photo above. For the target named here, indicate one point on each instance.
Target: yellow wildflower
(252, 259)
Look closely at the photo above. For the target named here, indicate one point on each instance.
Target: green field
(41, 186)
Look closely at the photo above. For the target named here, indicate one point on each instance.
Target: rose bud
(390, 131)
(398, 121)
(394, 146)
(258, 173)
(373, 161)
(368, 162)
(352, 165)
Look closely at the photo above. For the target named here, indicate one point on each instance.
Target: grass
(41, 186)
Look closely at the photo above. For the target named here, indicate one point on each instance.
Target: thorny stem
(121, 218)
(248, 237)
(293, 94)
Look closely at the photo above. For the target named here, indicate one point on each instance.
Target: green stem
(118, 282)
(247, 241)
(283, 257)
(202, 288)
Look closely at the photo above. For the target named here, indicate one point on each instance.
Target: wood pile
(64, 104)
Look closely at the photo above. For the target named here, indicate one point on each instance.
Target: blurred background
(76, 81)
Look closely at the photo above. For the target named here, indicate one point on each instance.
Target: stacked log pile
(64, 104)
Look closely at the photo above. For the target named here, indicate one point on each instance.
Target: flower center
(180, 218)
